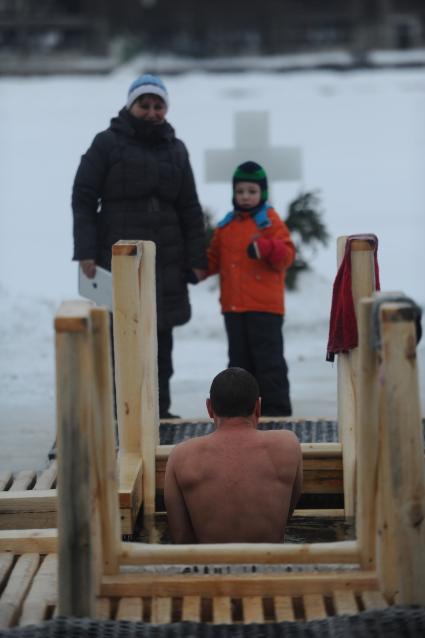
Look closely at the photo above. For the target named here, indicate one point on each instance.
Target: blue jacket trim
(261, 218)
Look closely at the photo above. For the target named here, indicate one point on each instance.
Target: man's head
(234, 392)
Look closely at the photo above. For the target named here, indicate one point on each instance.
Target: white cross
(252, 143)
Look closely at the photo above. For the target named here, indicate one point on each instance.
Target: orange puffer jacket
(248, 284)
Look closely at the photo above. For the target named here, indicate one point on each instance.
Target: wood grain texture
(252, 609)
(237, 585)
(345, 602)
(314, 607)
(130, 609)
(42, 593)
(191, 610)
(16, 589)
(283, 608)
(222, 612)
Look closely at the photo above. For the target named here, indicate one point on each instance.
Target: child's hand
(260, 248)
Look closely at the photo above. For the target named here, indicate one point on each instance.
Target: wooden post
(104, 453)
(74, 378)
(135, 342)
(149, 419)
(367, 439)
(126, 258)
(363, 284)
(402, 441)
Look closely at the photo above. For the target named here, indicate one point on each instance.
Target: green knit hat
(252, 172)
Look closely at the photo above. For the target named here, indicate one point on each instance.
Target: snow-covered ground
(362, 136)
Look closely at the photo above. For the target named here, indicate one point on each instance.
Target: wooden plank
(161, 610)
(28, 520)
(6, 479)
(130, 471)
(130, 480)
(27, 501)
(404, 443)
(283, 609)
(24, 480)
(74, 385)
(126, 247)
(17, 588)
(6, 562)
(127, 342)
(319, 513)
(191, 608)
(42, 594)
(314, 607)
(367, 440)
(47, 479)
(231, 553)
(345, 602)
(73, 316)
(236, 585)
(41, 541)
(103, 608)
(103, 442)
(127, 521)
(362, 285)
(130, 609)
(222, 611)
(252, 609)
(149, 417)
(373, 600)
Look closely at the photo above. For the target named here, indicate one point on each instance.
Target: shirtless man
(238, 484)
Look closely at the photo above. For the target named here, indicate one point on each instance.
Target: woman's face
(247, 194)
(149, 107)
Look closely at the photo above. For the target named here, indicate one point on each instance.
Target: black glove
(252, 251)
(190, 277)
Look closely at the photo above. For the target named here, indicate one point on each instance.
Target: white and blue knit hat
(147, 84)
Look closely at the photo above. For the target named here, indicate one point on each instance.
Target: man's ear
(257, 409)
(209, 408)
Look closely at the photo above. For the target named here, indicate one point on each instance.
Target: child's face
(247, 194)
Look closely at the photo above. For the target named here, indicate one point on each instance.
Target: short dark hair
(234, 392)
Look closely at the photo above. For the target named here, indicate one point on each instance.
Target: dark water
(305, 529)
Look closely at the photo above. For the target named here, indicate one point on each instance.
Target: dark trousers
(256, 344)
(165, 369)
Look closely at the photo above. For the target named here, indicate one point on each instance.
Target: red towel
(343, 325)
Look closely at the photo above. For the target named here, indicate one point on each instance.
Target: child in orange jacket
(251, 250)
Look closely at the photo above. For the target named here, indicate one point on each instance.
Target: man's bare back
(238, 484)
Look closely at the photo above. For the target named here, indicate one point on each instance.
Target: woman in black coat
(136, 182)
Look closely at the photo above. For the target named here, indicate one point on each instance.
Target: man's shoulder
(281, 438)
(189, 446)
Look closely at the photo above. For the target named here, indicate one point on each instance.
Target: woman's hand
(88, 266)
(200, 273)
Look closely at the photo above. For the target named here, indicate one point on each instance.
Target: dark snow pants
(165, 369)
(256, 344)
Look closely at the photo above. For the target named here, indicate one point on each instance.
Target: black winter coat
(135, 182)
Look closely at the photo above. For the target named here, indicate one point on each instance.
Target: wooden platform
(29, 595)
(28, 499)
